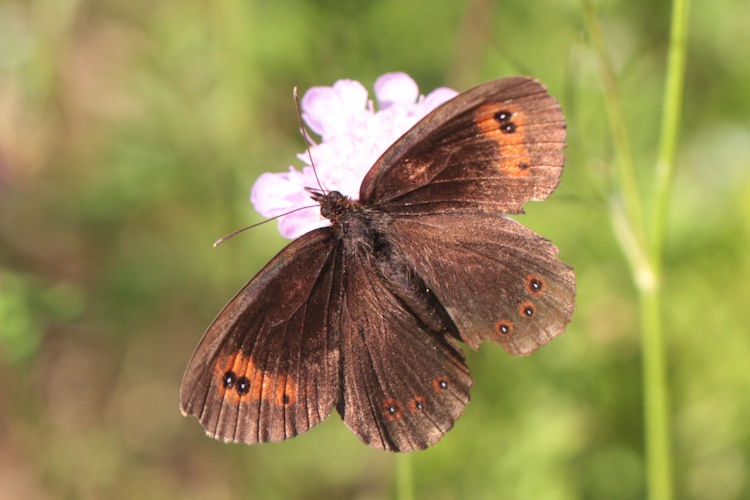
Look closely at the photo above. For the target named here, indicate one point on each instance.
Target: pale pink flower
(353, 136)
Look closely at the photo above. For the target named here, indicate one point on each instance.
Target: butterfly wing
(268, 366)
(404, 380)
(489, 149)
(446, 184)
(497, 279)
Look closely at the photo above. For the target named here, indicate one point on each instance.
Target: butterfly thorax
(359, 226)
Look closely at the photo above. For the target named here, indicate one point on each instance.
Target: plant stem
(656, 399)
(617, 124)
(404, 477)
(655, 396)
(646, 256)
(670, 125)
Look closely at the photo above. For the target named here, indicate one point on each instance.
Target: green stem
(617, 125)
(404, 477)
(670, 125)
(646, 256)
(655, 395)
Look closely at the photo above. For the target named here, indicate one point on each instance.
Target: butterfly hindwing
(491, 148)
(404, 380)
(268, 366)
(497, 279)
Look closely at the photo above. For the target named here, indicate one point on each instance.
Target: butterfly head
(333, 205)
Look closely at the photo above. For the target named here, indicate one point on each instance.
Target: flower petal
(330, 111)
(352, 94)
(395, 88)
(437, 97)
(274, 194)
(353, 137)
(298, 223)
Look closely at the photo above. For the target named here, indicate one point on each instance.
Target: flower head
(353, 136)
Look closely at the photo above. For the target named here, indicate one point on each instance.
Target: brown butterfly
(365, 315)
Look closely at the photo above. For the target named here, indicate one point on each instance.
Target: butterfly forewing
(490, 149)
(267, 367)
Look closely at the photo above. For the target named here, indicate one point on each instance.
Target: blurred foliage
(130, 135)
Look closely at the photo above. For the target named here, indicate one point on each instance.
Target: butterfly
(366, 315)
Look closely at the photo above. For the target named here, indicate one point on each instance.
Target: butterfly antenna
(307, 140)
(225, 238)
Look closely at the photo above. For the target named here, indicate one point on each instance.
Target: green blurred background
(131, 133)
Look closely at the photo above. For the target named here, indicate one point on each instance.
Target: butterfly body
(355, 225)
(365, 315)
